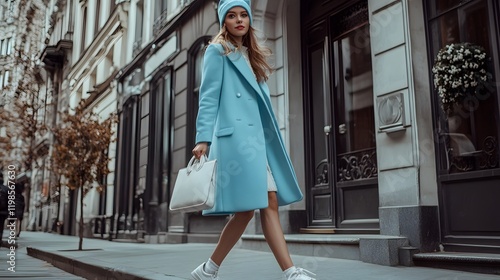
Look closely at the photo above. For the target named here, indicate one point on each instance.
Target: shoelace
(300, 271)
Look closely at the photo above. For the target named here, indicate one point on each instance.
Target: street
(102, 259)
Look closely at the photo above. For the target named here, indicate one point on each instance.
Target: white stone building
(86, 47)
(21, 40)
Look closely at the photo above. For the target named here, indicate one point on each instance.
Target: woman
(19, 202)
(236, 120)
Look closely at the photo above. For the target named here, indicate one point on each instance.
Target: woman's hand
(200, 149)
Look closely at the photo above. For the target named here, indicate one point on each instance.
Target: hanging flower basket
(459, 70)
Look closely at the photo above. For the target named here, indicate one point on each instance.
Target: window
(97, 17)
(84, 30)
(176, 6)
(6, 78)
(198, 64)
(468, 136)
(1, 79)
(195, 68)
(69, 17)
(160, 137)
(160, 7)
(128, 165)
(46, 25)
(138, 28)
(112, 6)
(9, 46)
(2, 47)
(165, 11)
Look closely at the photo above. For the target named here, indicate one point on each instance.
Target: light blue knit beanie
(226, 5)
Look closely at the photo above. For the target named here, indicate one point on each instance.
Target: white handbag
(194, 188)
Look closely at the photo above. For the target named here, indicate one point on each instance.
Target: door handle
(342, 129)
(327, 129)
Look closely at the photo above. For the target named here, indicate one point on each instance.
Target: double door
(342, 183)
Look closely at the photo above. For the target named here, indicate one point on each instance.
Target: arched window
(195, 66)
(159, 148)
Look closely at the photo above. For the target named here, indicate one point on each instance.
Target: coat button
(238, 95)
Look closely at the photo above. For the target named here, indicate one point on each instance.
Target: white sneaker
(301, 274)
(200, 274)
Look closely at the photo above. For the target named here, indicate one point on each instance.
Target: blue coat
(236, 118)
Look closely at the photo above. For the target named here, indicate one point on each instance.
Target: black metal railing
(357, 165)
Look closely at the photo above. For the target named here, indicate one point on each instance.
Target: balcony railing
(160, 22)
(136, 47)
(167, 15)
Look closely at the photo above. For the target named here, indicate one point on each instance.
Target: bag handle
(195, 163)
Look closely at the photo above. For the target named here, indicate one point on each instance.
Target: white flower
(458, 69)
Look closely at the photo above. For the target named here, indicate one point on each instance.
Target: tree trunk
(80, 230)
(57, 227)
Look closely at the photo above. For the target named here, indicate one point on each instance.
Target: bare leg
(230, 235)
(274, 233)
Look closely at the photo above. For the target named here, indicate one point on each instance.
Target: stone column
(407, 180)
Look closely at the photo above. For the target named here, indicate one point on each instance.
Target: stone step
(463, 261)
(332, 246)
(379, 249)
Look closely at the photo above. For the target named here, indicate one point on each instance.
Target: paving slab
(102, 259)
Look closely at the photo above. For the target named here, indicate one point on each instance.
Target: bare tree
(80, 153)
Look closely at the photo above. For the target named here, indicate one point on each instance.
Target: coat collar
(236, 57)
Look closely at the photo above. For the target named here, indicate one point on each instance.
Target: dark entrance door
(126, 202)
(468, 149)
(342, 186)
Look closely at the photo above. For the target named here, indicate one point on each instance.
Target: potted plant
(459, 71)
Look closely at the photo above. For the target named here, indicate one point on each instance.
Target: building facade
(373, 150)
(85, 47)
(24, 96)
(353, 91)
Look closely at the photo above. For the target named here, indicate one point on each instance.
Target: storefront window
(469, 133)
(441, 6)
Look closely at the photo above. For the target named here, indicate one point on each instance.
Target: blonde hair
(257, 54)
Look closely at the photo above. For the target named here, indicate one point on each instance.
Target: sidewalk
(26, 267)
(103, 259)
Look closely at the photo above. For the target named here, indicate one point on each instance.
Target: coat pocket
(224, 131)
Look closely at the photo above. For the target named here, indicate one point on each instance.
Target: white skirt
(271, 184)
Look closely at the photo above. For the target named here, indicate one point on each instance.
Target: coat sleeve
(210, 91)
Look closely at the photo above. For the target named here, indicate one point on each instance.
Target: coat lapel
(240, 63)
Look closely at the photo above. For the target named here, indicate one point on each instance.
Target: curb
(80, 268)
(5, 244)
